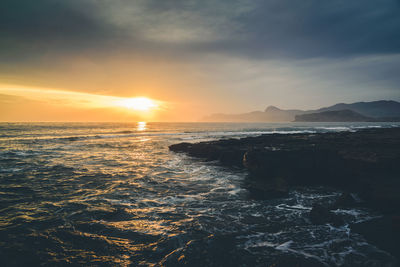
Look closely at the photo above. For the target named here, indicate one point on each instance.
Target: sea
(112, 194)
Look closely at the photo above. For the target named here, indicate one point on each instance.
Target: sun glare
(138, 103)
(141, 126)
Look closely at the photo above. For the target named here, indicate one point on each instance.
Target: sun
(138, 103)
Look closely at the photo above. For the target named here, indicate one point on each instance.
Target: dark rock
(385, 195)
(181, 147)
(365, 162)
(231, 158)
(344, 201)
(275, 188)
(299, 166)
(225, 151)
(383, 232)
(322, 215)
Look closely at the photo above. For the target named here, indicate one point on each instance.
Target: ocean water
(112, 194)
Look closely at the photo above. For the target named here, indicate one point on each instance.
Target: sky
(83, 60)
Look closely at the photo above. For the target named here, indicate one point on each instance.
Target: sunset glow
(199, 133)
(62, 105)
(138, 103)
(180, 61)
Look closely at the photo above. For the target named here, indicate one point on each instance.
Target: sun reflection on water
(141, 126)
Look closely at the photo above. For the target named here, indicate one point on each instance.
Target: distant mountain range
(383, 110)
(337, 115)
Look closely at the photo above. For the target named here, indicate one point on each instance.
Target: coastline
(362, 164)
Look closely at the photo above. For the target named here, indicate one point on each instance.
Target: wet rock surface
(384, 232)
(346, 200)
(272, 188)
(321, 215)
(366, 162)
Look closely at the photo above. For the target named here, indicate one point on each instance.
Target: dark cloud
(280, 28)
(31, 28)
(257, 29)
(315, 28)
(337, 45)
(45, 19)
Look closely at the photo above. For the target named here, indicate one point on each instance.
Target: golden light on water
(138, 103)
(141, 126)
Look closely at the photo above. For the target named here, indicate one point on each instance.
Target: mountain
(277, 114)
(376, 109)
(271, 114)
(382, 110)
(333, 116)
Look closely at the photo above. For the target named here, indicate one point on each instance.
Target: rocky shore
(365, 164)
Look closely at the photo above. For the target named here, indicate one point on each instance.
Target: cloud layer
(255, 51)
(272, 28)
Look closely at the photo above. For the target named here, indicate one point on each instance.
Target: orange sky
(70, 61)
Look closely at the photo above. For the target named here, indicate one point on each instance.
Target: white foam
(293, 207)
(284, 246)
(337, 128)
(10, 170)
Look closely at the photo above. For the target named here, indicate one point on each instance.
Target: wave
(193, 135)
(337, 128)
(124, 132)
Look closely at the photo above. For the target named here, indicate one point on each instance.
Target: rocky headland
(365, 164)
(333, 116)
(345, 115)
(382, 110)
